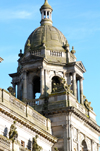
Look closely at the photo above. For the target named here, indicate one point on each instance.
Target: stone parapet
(25, 115)
(63, 99)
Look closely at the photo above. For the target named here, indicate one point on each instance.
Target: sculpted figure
(11, 90)
(86, 103)
(13, 134)
(35, 146)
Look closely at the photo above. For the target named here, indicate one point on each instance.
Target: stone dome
(50, 36)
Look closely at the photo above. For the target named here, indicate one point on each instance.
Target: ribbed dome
(47, 34)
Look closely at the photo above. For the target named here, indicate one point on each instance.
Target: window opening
(48, 14)
(36, 87)
(56, 81)
(44, 14)
(22, 143)
(84, 148)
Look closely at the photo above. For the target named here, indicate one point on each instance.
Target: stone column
(76, 90)
(46, 13)
(81, 91)
(71, 137)
(74, 83)
(42, 81)
(49, 15)
(67, 134)
(65, 137)
(18, 90)
(14, 87)
(24, 85)
(45, 82)
(42, 15)
(30, 90)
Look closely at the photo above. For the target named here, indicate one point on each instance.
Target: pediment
(81, 66)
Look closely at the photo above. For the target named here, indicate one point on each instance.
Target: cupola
(46, 13)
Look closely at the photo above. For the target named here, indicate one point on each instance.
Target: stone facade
(61, 116)
(29, 123)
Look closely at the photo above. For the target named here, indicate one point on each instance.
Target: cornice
(77, 113)
(28, 124)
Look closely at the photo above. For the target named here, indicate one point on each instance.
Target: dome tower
(49, 70)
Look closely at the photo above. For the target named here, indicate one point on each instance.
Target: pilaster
(78, 132)
(42, 81)
(24, 85)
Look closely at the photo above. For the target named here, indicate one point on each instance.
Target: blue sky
(78, 20)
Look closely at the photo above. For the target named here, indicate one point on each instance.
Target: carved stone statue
(57, 87)
(87, 104)
(35, 146)
(13, 134)
(66, 86)
(11, 90)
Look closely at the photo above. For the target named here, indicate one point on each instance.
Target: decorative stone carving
(13, 134)
(11, 90)
(87, 104)
(66, 86)
(57, 87)
(35, 146)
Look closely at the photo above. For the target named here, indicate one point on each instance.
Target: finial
(28, 43)
(73, 51)
(46, 0)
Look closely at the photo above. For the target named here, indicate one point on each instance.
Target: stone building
(48, 69)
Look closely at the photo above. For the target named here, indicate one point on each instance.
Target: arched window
(36, 87)
(84, 146)
(56, 81)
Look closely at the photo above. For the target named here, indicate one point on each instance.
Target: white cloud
(7, 14)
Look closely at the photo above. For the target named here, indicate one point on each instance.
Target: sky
(78, 20)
